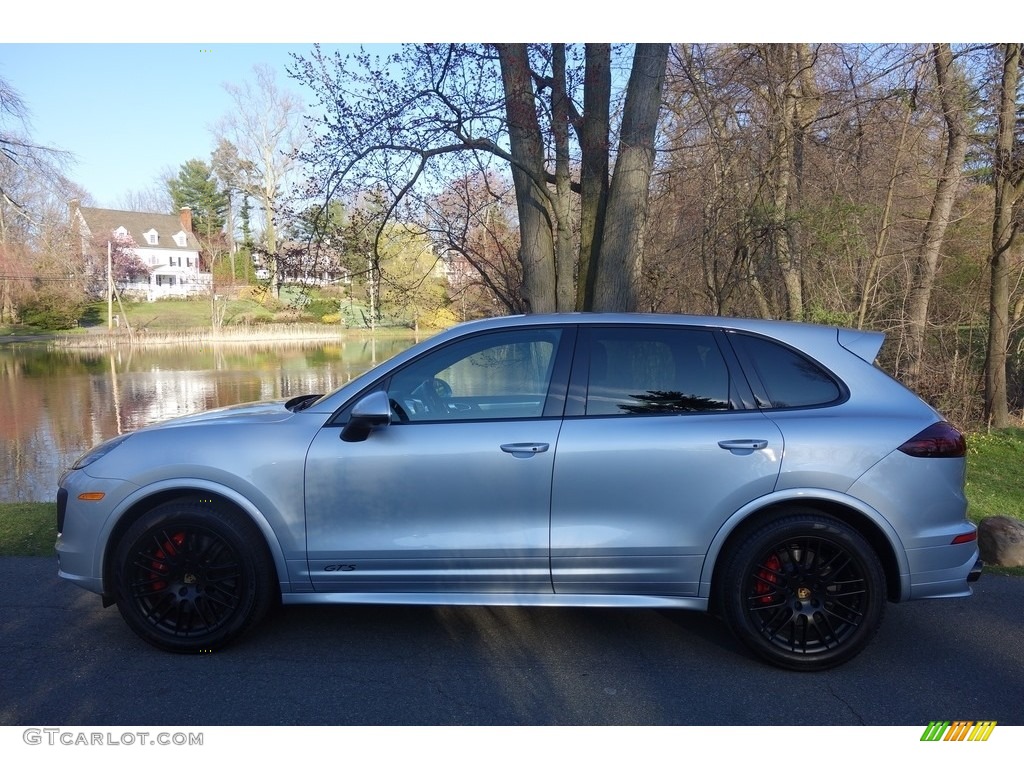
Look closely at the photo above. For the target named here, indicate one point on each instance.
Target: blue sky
(128, 111)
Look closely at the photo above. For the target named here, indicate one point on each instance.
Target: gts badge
(340, 567)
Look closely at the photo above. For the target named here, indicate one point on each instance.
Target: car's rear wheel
(805, 592)
(189, 576)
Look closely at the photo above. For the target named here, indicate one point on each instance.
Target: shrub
(53, 309)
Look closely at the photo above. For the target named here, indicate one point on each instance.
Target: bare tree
(625, 220)
(33, 214)
(954, 99)
(152, 199)
(265, 129)
(471, 223)
(1008, 179)
(533, 199)
(450, 100)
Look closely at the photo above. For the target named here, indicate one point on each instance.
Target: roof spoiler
(864, 344)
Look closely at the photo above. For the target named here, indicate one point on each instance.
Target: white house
(164, 242)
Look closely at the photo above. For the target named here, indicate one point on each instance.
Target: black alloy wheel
(189, 577)
(805, 592)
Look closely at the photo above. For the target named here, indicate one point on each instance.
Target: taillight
(939, 441)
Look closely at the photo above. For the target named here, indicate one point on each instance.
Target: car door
(454, 494)
(656, 451)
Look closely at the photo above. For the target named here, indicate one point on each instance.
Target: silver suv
(766, 471)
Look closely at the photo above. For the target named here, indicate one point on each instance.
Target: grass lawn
(995, 474)
(20, 331)
(995, 463)
(187, 314)
(28, 528)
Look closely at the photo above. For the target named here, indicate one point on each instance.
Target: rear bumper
(950, 581)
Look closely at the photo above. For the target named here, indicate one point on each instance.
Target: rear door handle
(524, 450)
(749, 444)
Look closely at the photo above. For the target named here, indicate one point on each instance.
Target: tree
(1008, 180)
(229, 170)
(125, 264)
(34, 264)
(196, 187)
(265, 128)
(954, 97)
(410, 119)
(412, 289)
(472, 223)
(617, 286)
(149, 200)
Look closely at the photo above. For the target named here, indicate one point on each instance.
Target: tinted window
(494, 376)
(790, 379)
(654, 370)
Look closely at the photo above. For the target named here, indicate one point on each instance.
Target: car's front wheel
(189, 576)
(805, 592)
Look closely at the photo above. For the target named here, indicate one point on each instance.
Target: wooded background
(869, 186)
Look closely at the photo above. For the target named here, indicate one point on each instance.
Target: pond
(57, 403)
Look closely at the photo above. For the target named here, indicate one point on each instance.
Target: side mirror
(374, 410)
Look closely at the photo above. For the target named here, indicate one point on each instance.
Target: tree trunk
(565, 259)
(620, 261)
(536, 251)
(952, 96)
(594, 145)
(271, 236)
(867, 286)
(1009, 186)
(781, 63)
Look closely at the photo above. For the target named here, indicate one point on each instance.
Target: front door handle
(524, 450)
(743, 445)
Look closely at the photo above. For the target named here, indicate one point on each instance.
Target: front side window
(641, 371)
(503, 375)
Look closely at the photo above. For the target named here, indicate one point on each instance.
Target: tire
(804, 592)
(189, 577)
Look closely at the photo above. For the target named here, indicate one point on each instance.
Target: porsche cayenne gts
(765, 471)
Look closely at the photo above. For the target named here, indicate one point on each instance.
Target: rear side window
(789, 379)
(640, 370)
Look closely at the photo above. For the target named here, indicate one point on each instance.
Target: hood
(246, 413)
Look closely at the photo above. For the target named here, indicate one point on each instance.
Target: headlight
(99, 451)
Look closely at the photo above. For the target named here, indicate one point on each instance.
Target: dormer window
(152, 237)
(121, 232)
(181, 240)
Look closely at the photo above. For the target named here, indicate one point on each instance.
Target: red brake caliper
(166, 550)
(767, 574)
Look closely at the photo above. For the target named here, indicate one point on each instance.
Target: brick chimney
(186, 218)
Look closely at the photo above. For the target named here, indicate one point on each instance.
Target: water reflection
(55, 404)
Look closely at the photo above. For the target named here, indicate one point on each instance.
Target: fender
(805, 496)
(191, 485)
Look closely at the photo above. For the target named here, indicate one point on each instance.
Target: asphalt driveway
(68, 661)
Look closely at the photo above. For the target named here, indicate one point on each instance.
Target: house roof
(102, 220)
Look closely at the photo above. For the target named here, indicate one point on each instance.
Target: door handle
(748, 444)
(524, 450)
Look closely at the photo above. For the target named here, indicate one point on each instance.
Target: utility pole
(373, 293)
(110, 291)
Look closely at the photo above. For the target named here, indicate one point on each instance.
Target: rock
(1001, 540)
